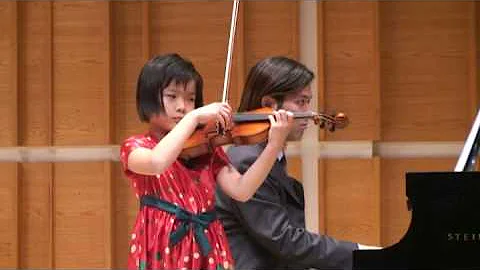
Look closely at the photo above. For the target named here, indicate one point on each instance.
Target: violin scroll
(331, 122)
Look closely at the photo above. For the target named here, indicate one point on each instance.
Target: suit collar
(290, 184)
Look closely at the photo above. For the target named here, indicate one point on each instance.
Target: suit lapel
(290, 184)
(279, 173)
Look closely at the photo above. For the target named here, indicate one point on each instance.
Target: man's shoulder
(244, 154)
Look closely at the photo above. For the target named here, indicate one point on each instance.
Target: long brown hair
(274, 77)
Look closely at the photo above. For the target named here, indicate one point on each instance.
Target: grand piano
(444, 231)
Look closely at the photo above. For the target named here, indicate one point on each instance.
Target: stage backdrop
(402, 71)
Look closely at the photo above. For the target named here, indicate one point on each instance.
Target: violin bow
(228, 65)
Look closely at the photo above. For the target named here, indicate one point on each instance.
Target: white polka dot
(210, 261)
(167, 250)
(203, 209)
(134, 236)
(206, 190)
(158, 175)
(138, 262)
(209, 202)
(224, 253)
(134, 184)
(133, 248)
(183, 268)
(136, 195)
(186, 259)
(176, 204)
(170, 189)
(180, 195)
(143, 220)
(172, 220)
(217, 245)
(191, 199)
(225, 264)
(196, 255)
(205, 231)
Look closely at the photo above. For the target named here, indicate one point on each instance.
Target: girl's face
(178, 99)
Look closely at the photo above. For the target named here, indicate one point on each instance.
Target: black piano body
(444, 232)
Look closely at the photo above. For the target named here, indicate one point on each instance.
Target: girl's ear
(268, 101)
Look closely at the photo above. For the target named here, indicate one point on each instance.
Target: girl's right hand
(221, 112)
(281, 124)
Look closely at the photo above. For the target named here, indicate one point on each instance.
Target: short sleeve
(220, 160)
(127, 147)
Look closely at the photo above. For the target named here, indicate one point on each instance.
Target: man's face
(298, 101)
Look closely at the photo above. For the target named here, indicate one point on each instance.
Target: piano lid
(468, 156)
(444, 231)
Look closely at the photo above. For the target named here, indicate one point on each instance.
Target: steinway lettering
(464, 237)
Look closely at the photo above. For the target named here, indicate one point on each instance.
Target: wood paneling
(35, 122)
(197, 31)
(128, 36)
(424, 63)
(9, 241)
(402, 71)
(81, 117)
(351, 210)
(349, 34)
(271, 28)
(395, 216)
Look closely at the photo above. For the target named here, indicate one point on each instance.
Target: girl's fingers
(289, 116)
(276, 116)
(283, 115)
(271, 118)
(225, 119)
(221, 121)
(226, 114)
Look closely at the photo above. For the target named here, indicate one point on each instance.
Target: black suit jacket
(268, 231)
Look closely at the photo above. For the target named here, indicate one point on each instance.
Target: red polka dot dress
(175, 226)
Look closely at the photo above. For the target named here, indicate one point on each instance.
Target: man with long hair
(268, 231)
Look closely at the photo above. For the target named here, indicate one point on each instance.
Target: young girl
(176, 227)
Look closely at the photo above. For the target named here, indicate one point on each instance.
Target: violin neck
(261, 117)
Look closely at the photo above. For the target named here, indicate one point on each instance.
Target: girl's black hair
(156, 75)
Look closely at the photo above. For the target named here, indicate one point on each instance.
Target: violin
(249, 127)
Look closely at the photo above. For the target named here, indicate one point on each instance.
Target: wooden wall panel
(127, 62)
(35, 121)
(294, 167)
(271, 29)
(395, 216)
(8, 134)
(351, 210)
(198, 31)
(81, 114)
(351, 186)
(424, 60)
(402, 71)
(8, 216)
(349, 43)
